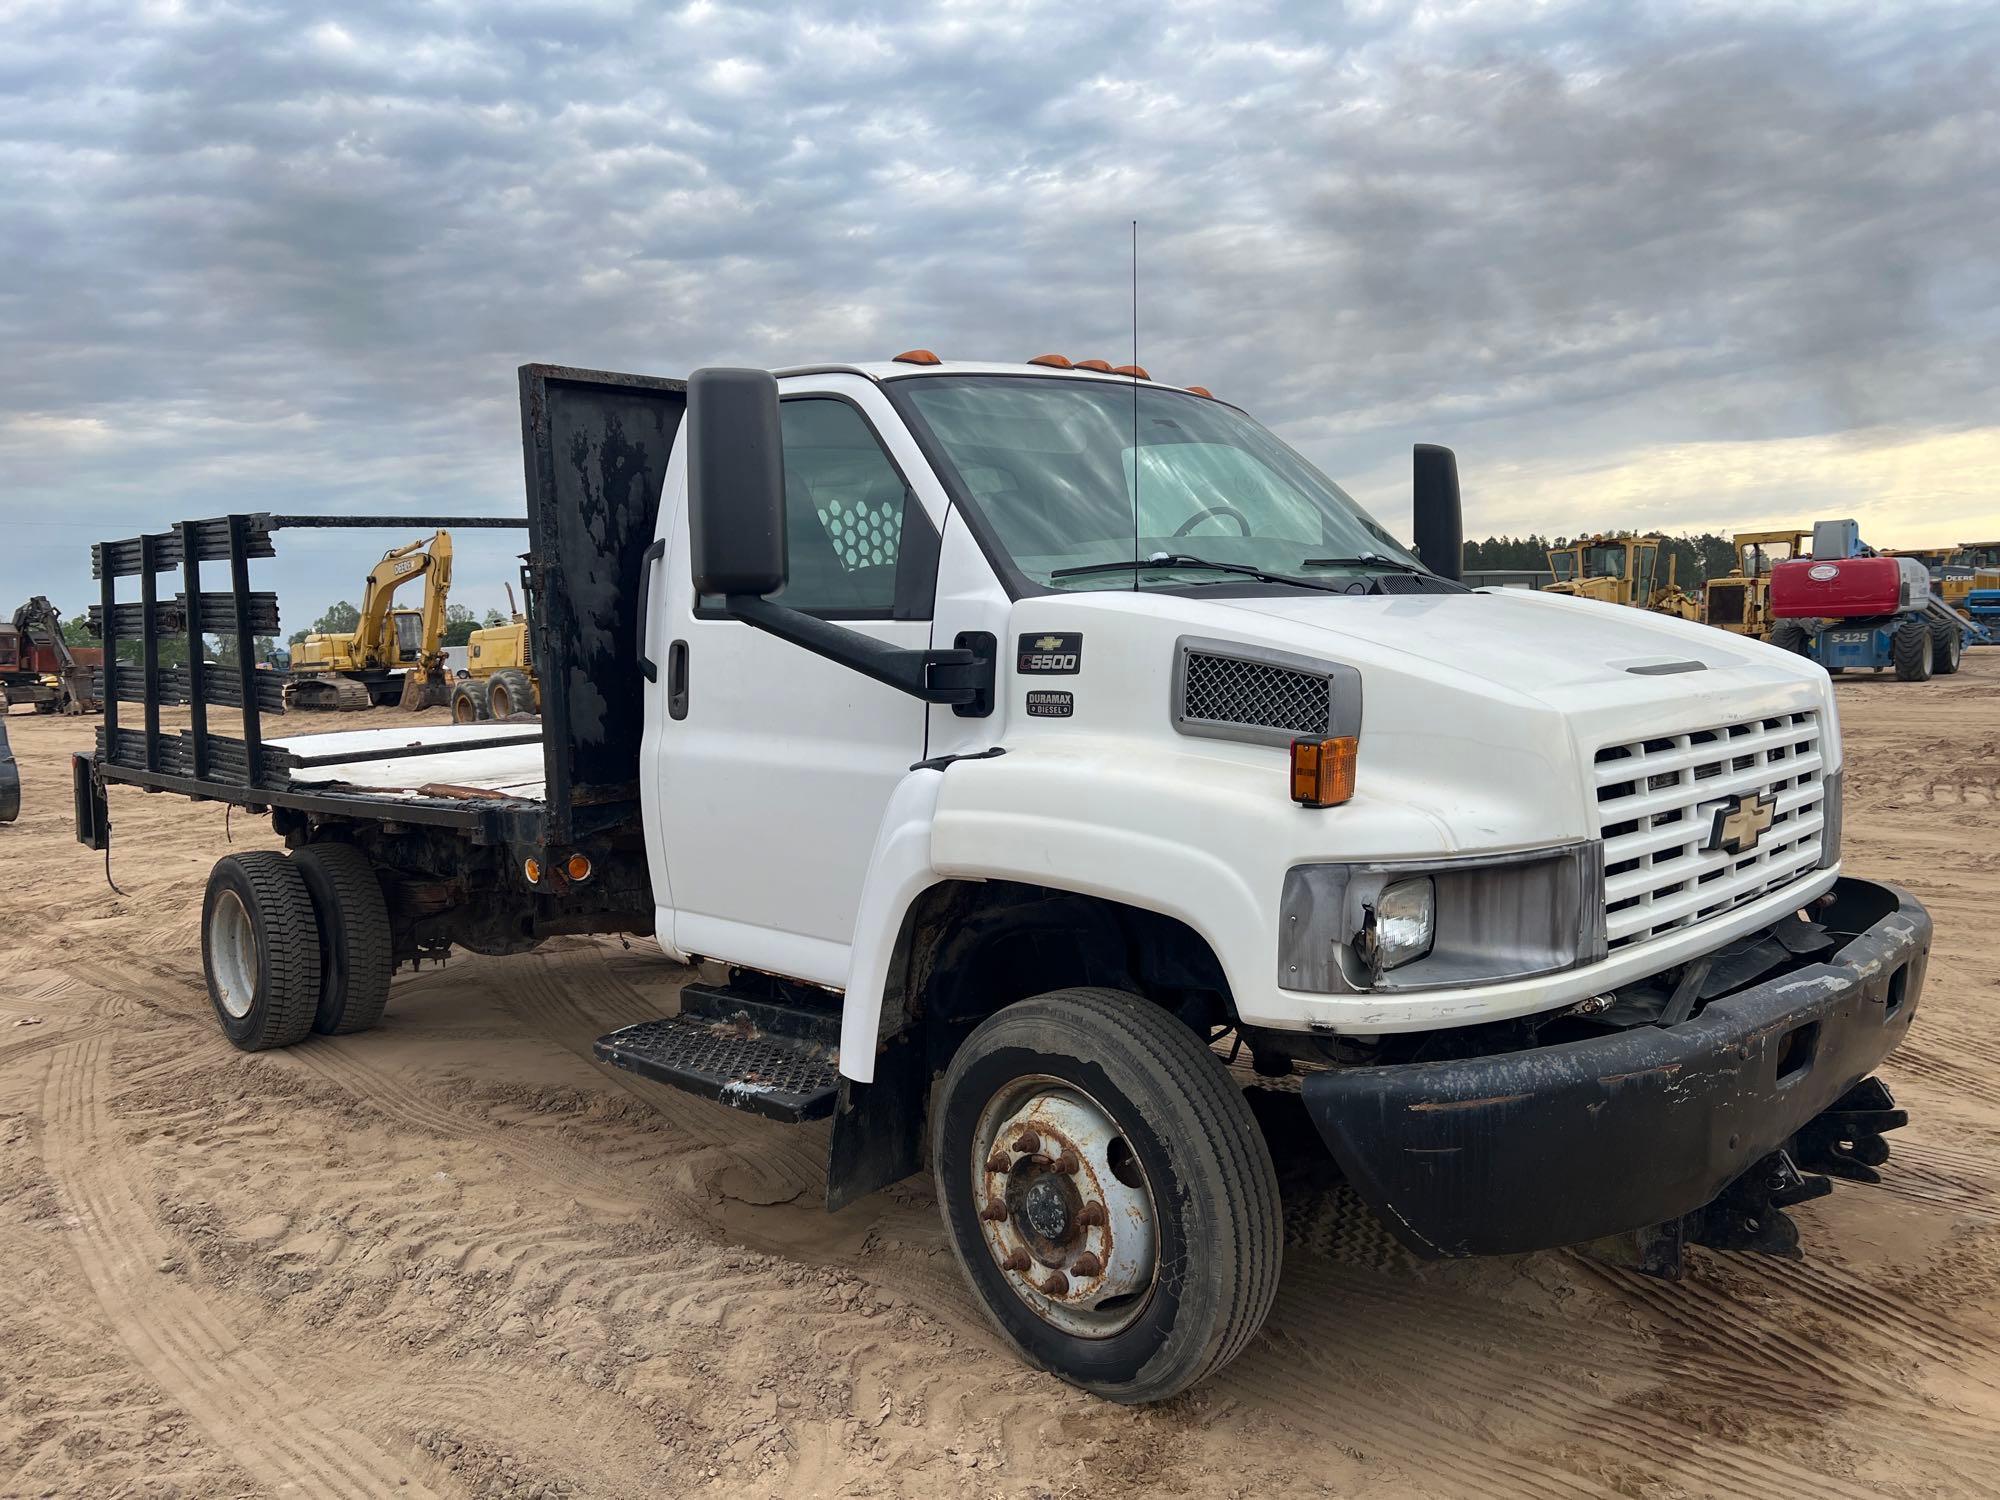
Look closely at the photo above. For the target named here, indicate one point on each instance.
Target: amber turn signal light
(578, 867)
(532, 869)
(1323, 771)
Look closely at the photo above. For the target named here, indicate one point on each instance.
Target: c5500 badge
(1055, 653)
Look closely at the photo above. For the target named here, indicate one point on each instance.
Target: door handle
(652, 554)
(677, 680)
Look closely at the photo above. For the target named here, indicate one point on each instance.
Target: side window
(844, 511)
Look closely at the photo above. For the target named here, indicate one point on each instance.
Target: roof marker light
(916, 357)
(1053, 361)
(1137, 372)
(1094, 364)
(1201, 390)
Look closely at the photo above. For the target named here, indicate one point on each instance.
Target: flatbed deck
(475, 760)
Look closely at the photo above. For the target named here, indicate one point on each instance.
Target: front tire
(1947, 647)
(509, 692)
(1910, 651)
(260, 950)
(468, 703)
(1790, 635)
(1107, 1193)
(355, 947)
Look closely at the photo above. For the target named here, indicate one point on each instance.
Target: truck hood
(1545, 646)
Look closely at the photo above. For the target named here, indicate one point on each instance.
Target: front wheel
(1947, 647)
(1107, 1193)
(1910, 650)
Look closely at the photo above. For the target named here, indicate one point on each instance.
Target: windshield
(1563, 565)
(1604, 562)
(1050, 464)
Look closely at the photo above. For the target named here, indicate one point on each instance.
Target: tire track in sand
(279, 1432)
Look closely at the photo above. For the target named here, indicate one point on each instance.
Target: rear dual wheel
(1107, 1193)
(293, 946)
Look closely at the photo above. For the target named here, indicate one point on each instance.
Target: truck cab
(1070, 791)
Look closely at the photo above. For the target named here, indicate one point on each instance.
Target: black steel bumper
(1564, 1144)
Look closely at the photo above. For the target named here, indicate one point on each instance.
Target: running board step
(731, 1061)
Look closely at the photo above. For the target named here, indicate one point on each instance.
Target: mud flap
(878, 1128)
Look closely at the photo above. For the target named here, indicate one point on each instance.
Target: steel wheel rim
(232, 954)
(1070, 1222)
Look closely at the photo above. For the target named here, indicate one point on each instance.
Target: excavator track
(329, 693)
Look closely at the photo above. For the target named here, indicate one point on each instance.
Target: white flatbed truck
(1020, 739)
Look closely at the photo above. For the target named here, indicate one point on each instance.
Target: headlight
(1400, 925)
(1440, 923)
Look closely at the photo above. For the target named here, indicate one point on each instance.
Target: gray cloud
(270, 258)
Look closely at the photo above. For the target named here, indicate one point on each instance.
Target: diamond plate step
(732, 1062)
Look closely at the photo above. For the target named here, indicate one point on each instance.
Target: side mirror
(1435, 512)
(736, 483)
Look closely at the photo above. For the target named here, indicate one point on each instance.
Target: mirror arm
(955, 676)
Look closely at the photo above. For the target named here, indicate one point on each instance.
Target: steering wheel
(1242, 521)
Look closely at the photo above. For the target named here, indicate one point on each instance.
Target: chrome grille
(1656, 805)
(1230, 690)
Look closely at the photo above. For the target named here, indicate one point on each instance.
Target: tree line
(459, 623)
(1696, 557)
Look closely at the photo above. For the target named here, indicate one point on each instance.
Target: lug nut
(1016, 1260)
(1027, 1143)
(1090, 1214)
(994, 1212)
(1087, 1265)
(1057, 1285)
(997, 1162)
(1068, 1163)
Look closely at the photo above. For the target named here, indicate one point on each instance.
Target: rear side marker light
(917, 357)
(532, 869)
(1323, 771)
(578, 867)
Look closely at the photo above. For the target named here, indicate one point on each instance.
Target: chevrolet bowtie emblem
(1740, 821)
(1048, 643)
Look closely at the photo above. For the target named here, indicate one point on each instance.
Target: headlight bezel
(1495, 918)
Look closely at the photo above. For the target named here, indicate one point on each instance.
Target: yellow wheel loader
(392, 655)
(1621, 570)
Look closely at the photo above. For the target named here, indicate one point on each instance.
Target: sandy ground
(455, 1257)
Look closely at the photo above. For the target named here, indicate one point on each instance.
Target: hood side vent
(1225, 690)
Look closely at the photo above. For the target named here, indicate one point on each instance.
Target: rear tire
(1910, 651)
(1790, 635)
(468, 703)
(1947, 647)
(260, 950)
(355, 947)
(1166, 1156)
(509, 692)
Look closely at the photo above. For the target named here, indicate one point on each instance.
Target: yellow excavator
(1741, 602)
(1621, 570)
(392, 655)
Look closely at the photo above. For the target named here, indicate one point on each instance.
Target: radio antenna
(1135, 406)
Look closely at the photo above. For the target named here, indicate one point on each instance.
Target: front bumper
(1559, 1145)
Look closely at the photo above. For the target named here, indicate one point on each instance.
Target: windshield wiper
(1366, 560)
(1186, 560)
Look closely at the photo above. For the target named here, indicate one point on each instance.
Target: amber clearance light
(1323, 771)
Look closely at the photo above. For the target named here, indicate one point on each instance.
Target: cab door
(774, 764)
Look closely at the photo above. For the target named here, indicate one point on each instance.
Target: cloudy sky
(1693, 266)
